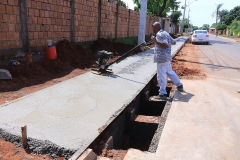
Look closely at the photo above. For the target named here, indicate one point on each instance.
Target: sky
(201, 10)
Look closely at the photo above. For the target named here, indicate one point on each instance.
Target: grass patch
(131, 41)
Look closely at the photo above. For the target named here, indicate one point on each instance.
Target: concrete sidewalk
(70, 113)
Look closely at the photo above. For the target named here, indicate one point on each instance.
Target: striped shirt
(162, 55)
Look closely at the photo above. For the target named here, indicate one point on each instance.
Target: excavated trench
(139, 126)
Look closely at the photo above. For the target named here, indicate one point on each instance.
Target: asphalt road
(223, 57)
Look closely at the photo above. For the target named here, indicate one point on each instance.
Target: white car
(200, 36)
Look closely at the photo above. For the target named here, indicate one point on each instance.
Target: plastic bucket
(51, 52)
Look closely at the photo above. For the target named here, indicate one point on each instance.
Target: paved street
(204, 122)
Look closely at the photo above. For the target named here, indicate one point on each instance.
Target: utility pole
(142, 23)
(183, 18)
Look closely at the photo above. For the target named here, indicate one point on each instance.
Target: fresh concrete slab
(70, 113)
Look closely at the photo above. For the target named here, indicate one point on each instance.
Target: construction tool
(105, 56)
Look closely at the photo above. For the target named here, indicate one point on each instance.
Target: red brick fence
(27, 24)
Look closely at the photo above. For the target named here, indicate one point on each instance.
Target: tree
(214, 25)
(185, 23)
(195, 28)
(175, 16)
(234, 13)
(158, 7)
(216, 13)
(121, 3)
(222, 13)
(235, 27)
(221, 26)
(205, 26)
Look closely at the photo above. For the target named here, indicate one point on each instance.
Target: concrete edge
(88, 155)
(163, 118)
(230, 39)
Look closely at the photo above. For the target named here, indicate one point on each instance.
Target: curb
(230, 39)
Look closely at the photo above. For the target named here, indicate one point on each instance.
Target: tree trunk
(162, 9)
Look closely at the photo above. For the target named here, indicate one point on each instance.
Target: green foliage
(234, 13)
(123, 4)
(222, 13)
(214, 25)
(221, 26)
(205, 26)
(175, 16)
(235, 27)
(185, 23)
(195, 28)
(158, 7)
(131, 41)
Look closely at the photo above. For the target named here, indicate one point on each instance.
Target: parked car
(200, 36)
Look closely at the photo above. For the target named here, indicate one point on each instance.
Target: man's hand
(153, 38)
(163, 45)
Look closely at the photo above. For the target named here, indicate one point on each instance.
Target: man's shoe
(160, 97)
(180, 88)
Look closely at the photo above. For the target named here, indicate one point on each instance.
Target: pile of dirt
(186, 63)
(182, 71)
(114, 154)
(69, 56)
(74, 55)
(116, 48)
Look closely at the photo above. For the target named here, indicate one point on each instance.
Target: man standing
(162, 56)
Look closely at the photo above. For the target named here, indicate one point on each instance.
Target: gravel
(37, 146)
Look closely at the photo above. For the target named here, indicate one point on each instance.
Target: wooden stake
(24, 136)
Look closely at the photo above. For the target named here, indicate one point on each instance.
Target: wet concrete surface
(70, 113)
(204, 121)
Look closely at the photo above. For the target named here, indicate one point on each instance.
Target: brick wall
(122, 28)
(134, 23)
(108, 20)
(9, 25)
(76, 20)
(86, 20)
(48, 19)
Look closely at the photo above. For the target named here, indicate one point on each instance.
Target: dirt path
(186, 63)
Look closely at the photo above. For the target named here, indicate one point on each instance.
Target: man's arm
(162, 44)
(172, 40)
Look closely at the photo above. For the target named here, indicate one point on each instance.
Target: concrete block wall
(134, 23)
(123, 18)
(29, 24)
(48, 19)
(9, 25)
(85, 20)
(108, 20)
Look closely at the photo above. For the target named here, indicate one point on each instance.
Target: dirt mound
(74, 55)
(69, 56)
(186, 63)
(182, 71)
(120, 48)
